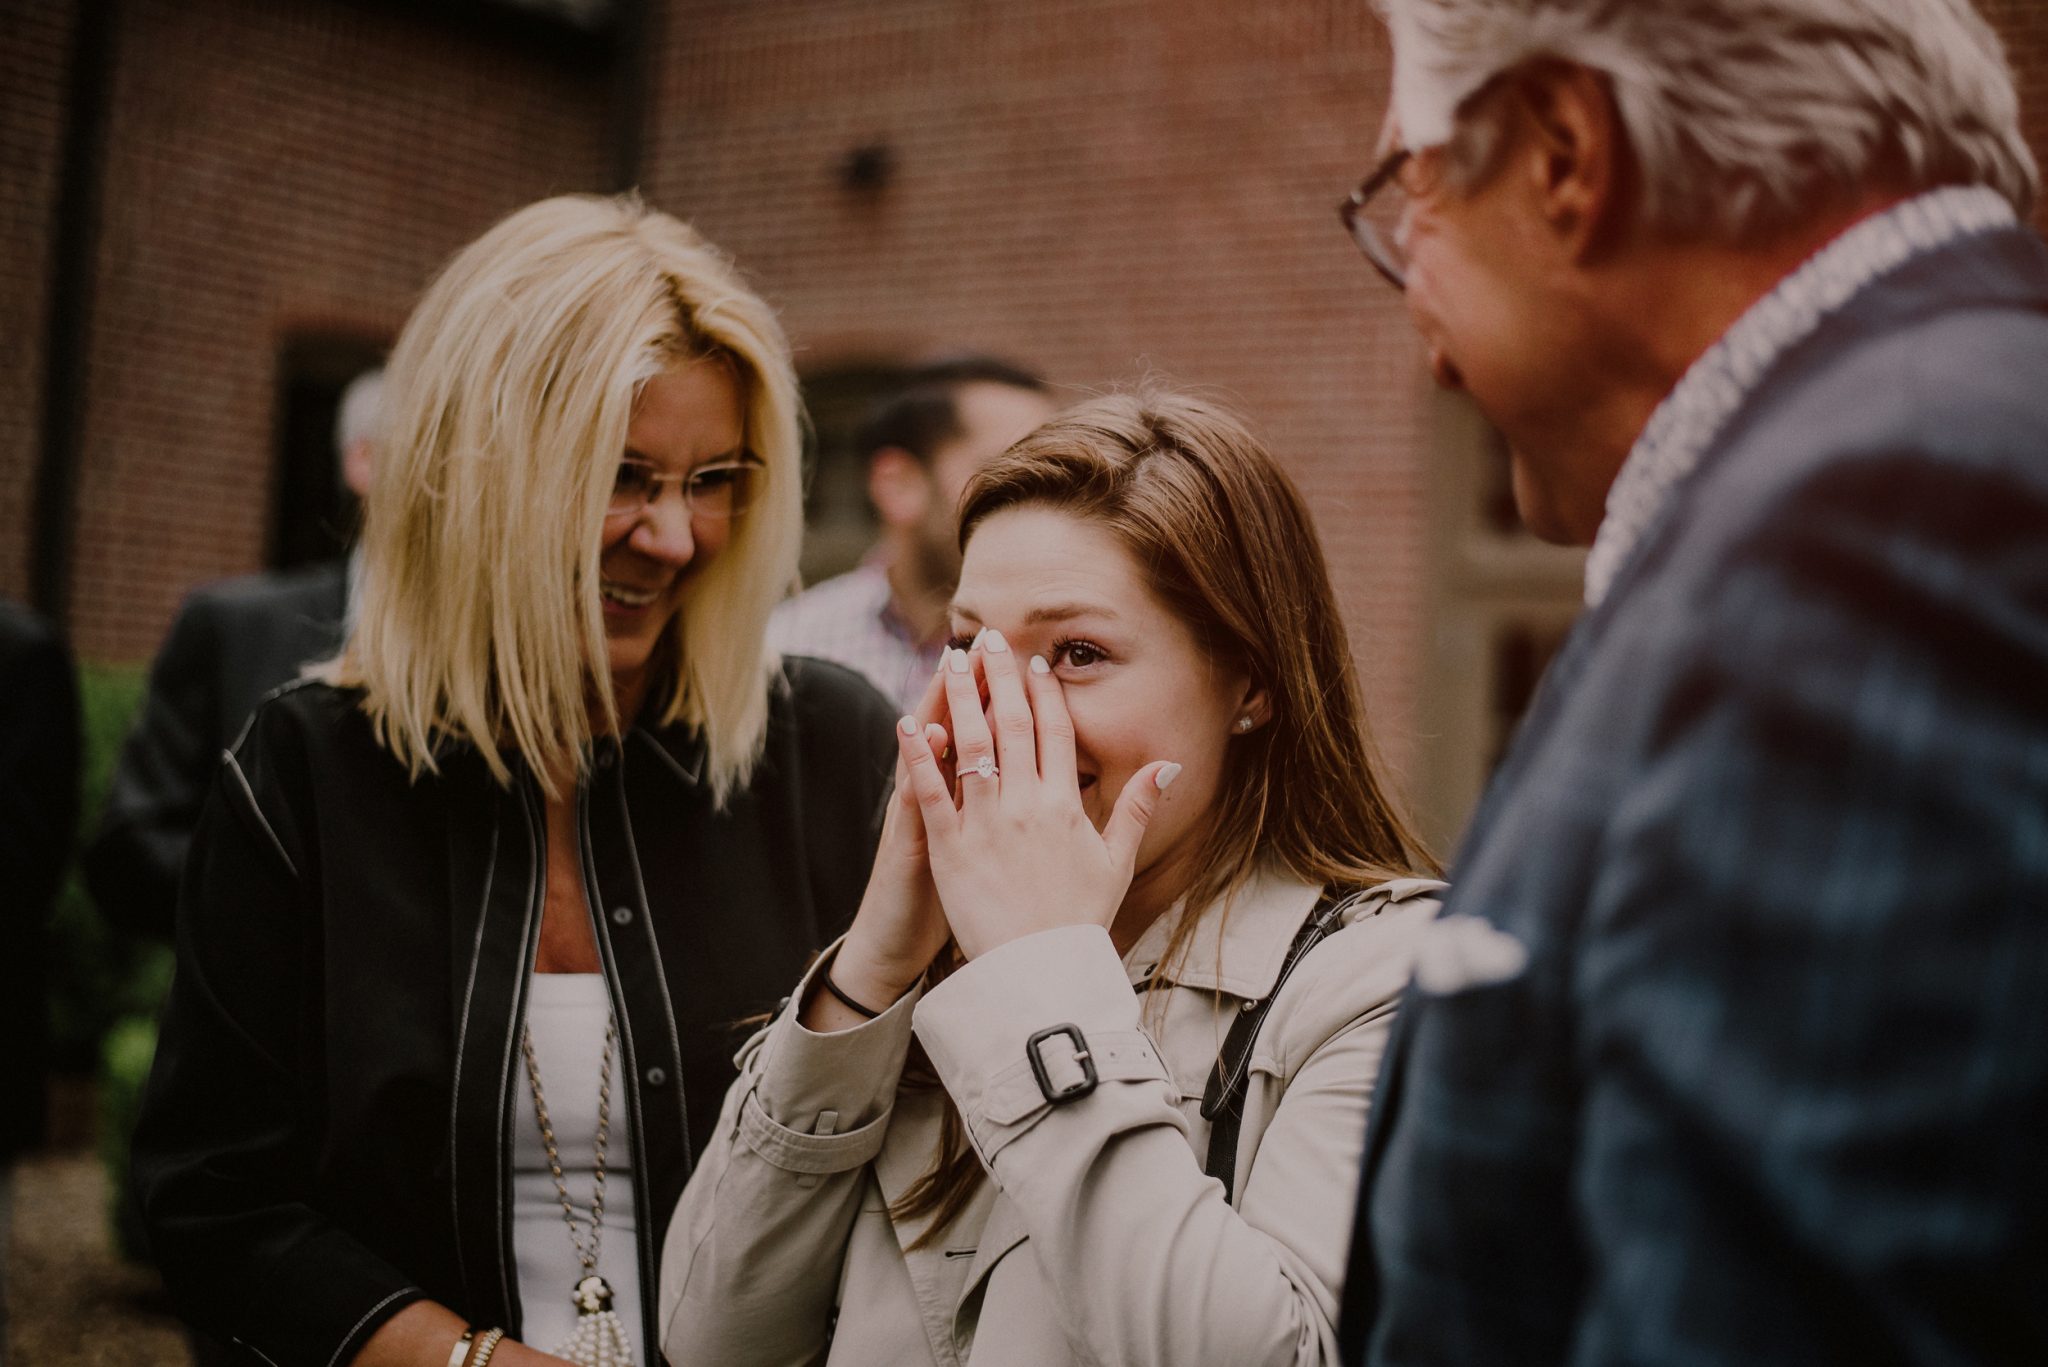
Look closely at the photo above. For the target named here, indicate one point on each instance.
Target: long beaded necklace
(599, 1339)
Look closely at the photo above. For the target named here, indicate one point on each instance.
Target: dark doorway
(839, 523)
(314, 516)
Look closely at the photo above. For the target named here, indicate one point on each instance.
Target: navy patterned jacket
(1773, 1084)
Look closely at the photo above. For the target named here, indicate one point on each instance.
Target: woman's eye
(1078, 654)
(632, 478)
(713, 479)
(957, 641)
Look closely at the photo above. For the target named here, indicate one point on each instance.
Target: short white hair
(1743, 112)
(360, 415)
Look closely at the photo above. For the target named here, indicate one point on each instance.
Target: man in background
(232, 643)
(886, 619)
(1730, 1047)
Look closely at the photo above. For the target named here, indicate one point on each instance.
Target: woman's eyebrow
(737, 453)
(1062, 612)
(1048, 612)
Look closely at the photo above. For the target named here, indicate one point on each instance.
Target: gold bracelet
(459, 1354)
(486, 1346)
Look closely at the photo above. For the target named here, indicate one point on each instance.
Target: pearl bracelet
(487, 1346)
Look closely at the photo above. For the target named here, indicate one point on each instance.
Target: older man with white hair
(1732, 1045)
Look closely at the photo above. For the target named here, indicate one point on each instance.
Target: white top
(567, 1013)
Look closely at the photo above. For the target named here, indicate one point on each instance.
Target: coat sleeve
(166, 765)
(1816, 956)
(849, 765)
(1149, 1264)
(225, 1152)
(750, 1268)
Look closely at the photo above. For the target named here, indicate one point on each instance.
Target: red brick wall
(1107, 188)
(33, 57)
(272, 167)
(1103, 189)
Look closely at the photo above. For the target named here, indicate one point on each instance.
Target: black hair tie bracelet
(844, 1000)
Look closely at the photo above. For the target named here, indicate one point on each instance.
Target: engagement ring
(985, 767)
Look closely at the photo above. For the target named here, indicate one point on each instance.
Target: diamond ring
(985, 767)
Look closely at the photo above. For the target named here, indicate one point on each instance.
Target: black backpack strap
(1223, 1098)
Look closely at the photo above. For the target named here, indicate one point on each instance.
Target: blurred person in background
(887, 618)
(232, 643)
(1147, 938)
(39, 756)
(468, 916)
(1731, 1046)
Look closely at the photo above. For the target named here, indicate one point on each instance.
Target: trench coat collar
(1239, 945)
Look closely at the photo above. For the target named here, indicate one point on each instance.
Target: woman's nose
(664, 531)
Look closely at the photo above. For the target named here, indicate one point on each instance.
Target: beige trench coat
(1100, 1239)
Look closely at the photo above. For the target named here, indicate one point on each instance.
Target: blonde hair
(508, 397)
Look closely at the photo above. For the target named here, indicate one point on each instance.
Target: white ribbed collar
(1710, 392)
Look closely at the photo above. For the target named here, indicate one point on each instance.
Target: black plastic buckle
(1081, 1056)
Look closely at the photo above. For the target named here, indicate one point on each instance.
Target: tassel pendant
(599, 1339)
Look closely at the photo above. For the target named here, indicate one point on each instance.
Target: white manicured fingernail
(1039, 666)
(1165, 777)
(992, 641)
(977, 638)
(908, 726)
(956, 660)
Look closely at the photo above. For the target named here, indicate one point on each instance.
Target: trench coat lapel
(936, 1271)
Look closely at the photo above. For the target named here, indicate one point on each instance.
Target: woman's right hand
(900, 927)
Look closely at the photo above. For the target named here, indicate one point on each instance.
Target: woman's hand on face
(1016, 853)
(899, 928)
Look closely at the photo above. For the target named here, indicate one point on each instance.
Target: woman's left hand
(1017, 853)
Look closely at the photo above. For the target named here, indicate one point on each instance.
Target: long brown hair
(1231, 551)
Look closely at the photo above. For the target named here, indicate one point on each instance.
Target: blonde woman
(467, 919)
(1168, 907)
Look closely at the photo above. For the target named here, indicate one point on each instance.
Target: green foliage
(124, 1068)
(105, 984)
(98, 975)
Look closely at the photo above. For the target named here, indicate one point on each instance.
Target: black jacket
(233, 642)
(325, 1138)
(38, 817)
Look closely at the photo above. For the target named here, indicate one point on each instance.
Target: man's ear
(899, 486)
(1576, 154)
(358, 465)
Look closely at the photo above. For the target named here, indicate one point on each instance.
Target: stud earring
(1244, 723)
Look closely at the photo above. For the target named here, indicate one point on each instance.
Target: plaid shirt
(849, 620)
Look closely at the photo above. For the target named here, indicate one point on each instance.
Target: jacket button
(622, 916)
(655, 1077)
